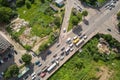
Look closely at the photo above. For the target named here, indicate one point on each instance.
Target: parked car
(1, 61)
(71, 45)
(37, 62)
(33, 77)
(42, 74)
(15, 52)
(25, 77)
(33, 54)
(33, 74)
(62, 48)
(20, 61)
(109, 29)
(39, 72)
(64, 30)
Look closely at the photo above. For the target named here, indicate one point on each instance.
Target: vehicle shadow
(85, 21)
(44, 54)
(77, 29)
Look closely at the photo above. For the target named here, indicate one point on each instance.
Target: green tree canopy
(28, 4)
(85, 13)
(26, 58)
(12, 71)
(118, 15)
(118, 26)
(5, 14)
(75, 20)
(57, 21)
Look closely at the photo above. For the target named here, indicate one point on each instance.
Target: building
(59, 3)
(4, 45)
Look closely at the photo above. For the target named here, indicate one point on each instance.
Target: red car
(42, 74)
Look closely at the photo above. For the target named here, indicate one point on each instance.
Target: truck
(52, 66)
(80, 42)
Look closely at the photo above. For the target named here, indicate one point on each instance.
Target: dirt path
(104, 73)
(38, 43)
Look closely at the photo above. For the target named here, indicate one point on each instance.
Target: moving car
(42, 74)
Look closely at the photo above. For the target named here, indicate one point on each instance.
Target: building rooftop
(58, 1)
(4, 44)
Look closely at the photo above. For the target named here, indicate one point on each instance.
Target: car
(37, 62)
(85, 37)
(10, 55)
(71, 49)
(49, 52)
(109, 29)
(62, 57)
(79, 34)
(58, 45)
(71, 45)
(33, 74)
(39, 72)
(75, 37)
(25, 77)
(62, 48)
(33, 54)
(33, 77)
(55, 55)
(58, 57)
(20, 61)
(76, 40)
(110, 8)
(1, 61)
(37, 79)
(62, 53)
(43, 74)
(68, 40)
(15, 52)
(53, 60)
(64, 30)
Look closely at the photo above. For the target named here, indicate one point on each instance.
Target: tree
(20, 2)
(118, 15)
(28, 4)
(118, 26)
(79, 16)
(6, 14)
(75, 20)
(85, 13)
(27, 58)
(12, 71)
(43, 1)
(57, 21)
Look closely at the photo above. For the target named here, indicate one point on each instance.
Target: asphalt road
(94, 26)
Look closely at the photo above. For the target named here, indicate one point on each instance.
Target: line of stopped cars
(111, 4)
(72, 43)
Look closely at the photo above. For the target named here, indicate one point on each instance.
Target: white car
(85, 37)
(71, 49)
(75, 37)
(64, 30)
(33, 74)
(62, 57)
(68, 40)
(71, 45)
(33, 77)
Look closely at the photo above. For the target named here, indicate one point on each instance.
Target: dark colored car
(20, 61)
(15, 52)
(37, 62)
(62, 48)
(109, 29)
